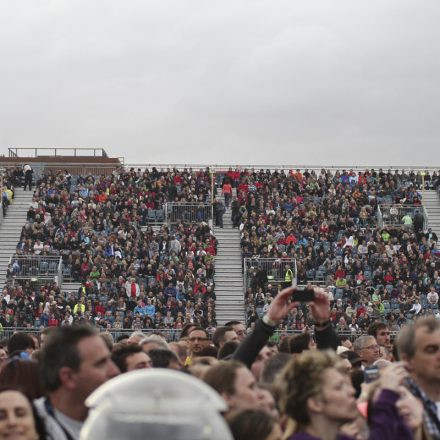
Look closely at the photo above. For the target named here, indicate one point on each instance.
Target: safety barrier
(273, 268)
(172, 335)
(188, 212)
(45, 267)
(393, 215)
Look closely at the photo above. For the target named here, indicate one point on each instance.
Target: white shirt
(57, 423)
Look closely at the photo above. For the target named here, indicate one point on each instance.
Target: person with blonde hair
(320, 399)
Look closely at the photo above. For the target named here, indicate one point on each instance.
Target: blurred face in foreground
(337, 400)
(96, 366)
(16, 418)
(247, 395)
(276, 433)
(425, 363)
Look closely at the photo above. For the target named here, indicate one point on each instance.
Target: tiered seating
(328, 223)
(130, 273)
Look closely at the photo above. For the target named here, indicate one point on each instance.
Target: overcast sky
(224, 81)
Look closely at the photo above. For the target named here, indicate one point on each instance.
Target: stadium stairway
(431, 202)
(228, 274)
(10, 229)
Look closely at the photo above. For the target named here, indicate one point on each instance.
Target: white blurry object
(155, 404)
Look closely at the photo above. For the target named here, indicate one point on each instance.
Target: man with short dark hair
(74, 362)
(382, 334)
(222, 335)
(161, 358)
(21, 344)
(198, 340)
(129, 357)
(238, 328)
(227, 350)
(301, 342)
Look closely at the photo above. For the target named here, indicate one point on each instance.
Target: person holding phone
(281, 305)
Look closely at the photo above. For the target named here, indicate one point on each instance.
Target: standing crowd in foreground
(308, 387)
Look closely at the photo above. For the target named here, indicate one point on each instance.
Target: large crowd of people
(328, 223)
(132, 275)
(304, 388)
(379, 284)
(138, 276)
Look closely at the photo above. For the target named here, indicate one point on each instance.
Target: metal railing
(43, 267)
(188, 212)
(172, 335)
(214, 168)
(393, 215)
(169, 334)
(54, 151)
(274, 269)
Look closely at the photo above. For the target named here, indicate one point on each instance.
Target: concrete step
(236, 298)
(237, 284)
(224, 270)
(234, 310)
(230, 306)
(228, 239)
(223, 273)
(229, 290)
(228, 280)
(228, 273)
(229, 301)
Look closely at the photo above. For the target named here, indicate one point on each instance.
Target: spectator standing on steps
(219, 210)
(227, 192)
(28, 171)
(235, 217)
(418, 223)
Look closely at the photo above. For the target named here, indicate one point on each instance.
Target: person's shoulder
(39, 404)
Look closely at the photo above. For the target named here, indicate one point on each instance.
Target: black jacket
(248, 350)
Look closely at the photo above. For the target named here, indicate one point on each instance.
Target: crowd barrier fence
(392, 215)
(172, 335)
(41, 267)
(274, 268)
(188, 212)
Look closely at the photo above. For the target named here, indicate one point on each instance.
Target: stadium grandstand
(152, 248)
(115, 277)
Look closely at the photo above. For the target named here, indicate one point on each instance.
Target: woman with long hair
(18, 419)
